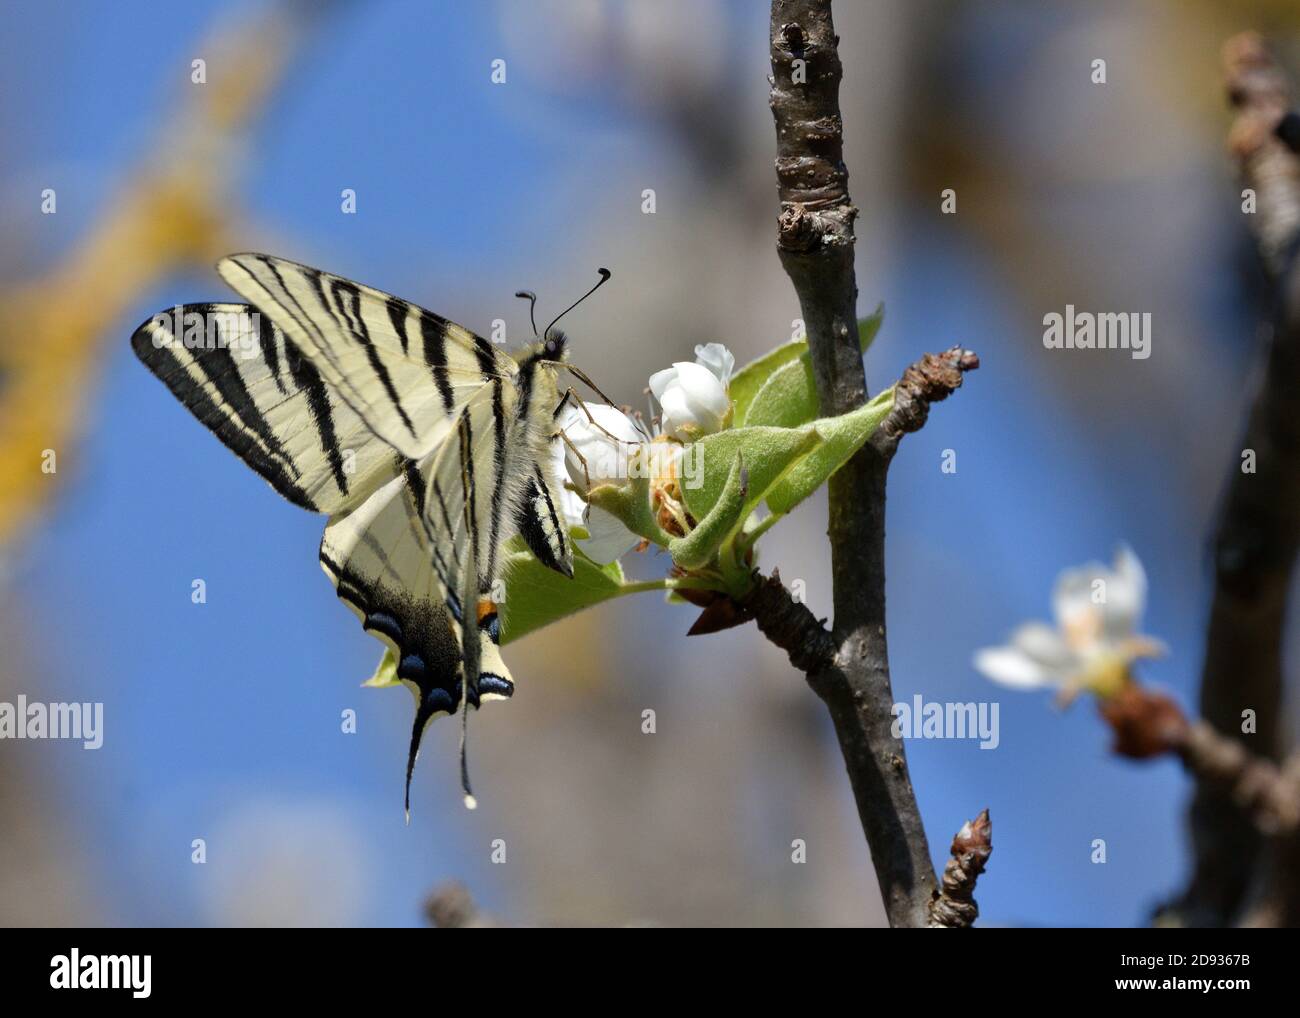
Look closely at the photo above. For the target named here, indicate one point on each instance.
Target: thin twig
(1148, 723)
(815, 241)
(954, 906)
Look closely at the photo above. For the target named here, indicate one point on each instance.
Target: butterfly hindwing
(378, 559)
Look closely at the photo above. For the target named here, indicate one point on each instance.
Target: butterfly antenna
(531, 297)
(604, 278)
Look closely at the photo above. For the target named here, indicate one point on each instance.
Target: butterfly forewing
(251, 386)
(404, 370)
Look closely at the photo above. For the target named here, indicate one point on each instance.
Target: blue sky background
(222, 719)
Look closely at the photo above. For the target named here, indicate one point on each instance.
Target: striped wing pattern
(378, 558)
(404, 370)
(486, 477)
(490, 476)
(396, 424)
(251, 386)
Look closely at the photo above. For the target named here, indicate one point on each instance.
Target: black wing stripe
(487, 358)
(168, 367)
(434, 331)
(525, 383)
(266, 341)
(444, 573)
(397, 311)
(499, 474)
(529, 523)
(414, 484)
(219, 367)
(298, 313)
(467, 473)
(307, 378)
(557, 527)
(357, 326)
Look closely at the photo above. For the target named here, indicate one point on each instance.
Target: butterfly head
(555, 346)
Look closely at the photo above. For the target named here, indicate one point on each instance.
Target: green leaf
(787, 396)
(768, 453)
(698, 547)
(536, 596)
(869, 326)
(841, 437)
(746, 382)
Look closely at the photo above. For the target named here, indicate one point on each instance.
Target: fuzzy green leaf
(746, 382)
(787, 396)
(768, 454)
(841, 437)
(698, 547)
(536, 596)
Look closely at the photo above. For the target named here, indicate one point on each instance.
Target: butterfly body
(425, 446)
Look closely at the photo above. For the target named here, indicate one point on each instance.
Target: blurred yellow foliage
(172, 214)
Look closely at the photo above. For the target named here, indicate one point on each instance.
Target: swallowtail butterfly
(425, 446)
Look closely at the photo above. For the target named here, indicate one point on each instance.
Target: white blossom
(595, 454)
(693, 394)
(1095, 640)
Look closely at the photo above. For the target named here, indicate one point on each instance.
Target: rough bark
(816, 244)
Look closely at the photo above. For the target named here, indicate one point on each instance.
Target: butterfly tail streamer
(422, 714)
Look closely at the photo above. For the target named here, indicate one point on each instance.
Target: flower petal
(660, 381)
(601, 440)
(613, 421)
(703, 389)
(609, 538)
(1072, 594)
(718, 359)
(1012, 667)
(571, 503)
(1126, 596)
(1044, 645)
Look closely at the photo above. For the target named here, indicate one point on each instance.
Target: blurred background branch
(1259, 526)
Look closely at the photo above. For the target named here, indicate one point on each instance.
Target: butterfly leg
(586, 476)
(581, 376)
(581, 405)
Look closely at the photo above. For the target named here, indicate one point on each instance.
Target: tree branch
(789, 624)
(815, 241)
(1259, 528)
